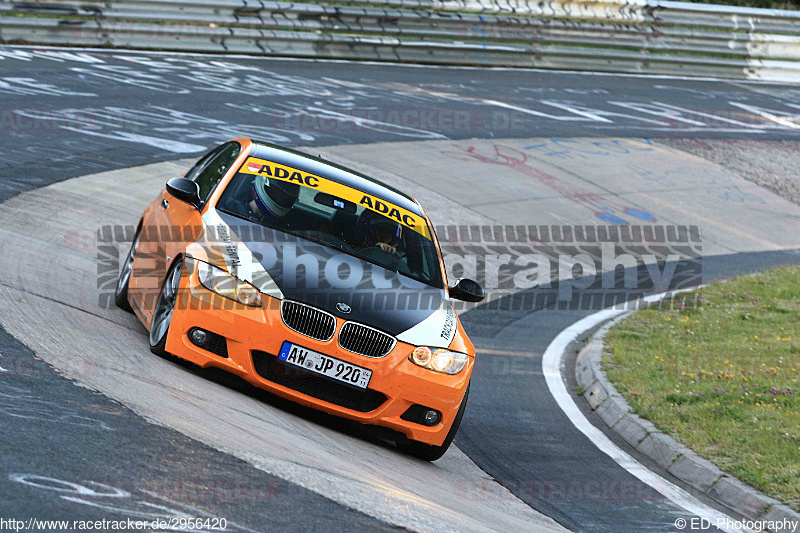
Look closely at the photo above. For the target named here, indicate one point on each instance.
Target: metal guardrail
(641, 36)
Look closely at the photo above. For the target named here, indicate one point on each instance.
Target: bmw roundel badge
(343, 307)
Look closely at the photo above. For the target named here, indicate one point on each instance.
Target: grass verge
(722, 377)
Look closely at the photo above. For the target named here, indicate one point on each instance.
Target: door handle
(164, 203)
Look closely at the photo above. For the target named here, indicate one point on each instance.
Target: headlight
(439, 359)
(218, 281)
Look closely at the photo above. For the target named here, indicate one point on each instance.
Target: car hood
(289, 267)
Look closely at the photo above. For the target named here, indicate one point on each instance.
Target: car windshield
(327, 212)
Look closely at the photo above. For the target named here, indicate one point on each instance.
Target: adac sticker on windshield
(262, 167)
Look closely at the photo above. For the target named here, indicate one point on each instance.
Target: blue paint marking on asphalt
(613, 219)
(642, 215)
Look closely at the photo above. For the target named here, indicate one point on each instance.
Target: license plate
(325, 365)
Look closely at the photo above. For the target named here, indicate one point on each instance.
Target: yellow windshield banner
(262, 167)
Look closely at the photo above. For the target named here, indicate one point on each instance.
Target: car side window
(208, 172)
(201, 163)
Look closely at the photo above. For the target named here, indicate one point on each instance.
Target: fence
(644, 36)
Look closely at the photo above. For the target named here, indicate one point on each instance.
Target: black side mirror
(467, 290)
(185, 190)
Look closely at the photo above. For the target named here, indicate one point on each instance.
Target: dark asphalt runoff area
(69, 453)
(76, 454)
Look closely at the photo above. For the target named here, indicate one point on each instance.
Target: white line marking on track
(367, 122)
(533, 111)
(786, 122)
(177, 147)
(551, 367)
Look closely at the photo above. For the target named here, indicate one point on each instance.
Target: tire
(428, 452)
(121, 292)
(165, 305)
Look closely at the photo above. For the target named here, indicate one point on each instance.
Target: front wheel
(162, 314)
(429, 452)
(121, 292)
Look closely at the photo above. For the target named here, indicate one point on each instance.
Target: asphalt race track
(100, 111)
(95, 426)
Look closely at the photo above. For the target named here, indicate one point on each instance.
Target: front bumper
(254, 337)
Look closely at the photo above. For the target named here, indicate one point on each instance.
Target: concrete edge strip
(326, 484)
(552, 368)
(668, 453)
(242, 55)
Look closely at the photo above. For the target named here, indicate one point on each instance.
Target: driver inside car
(267, 200)
(272, 199)
(383, 236)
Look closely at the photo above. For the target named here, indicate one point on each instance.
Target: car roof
(333, 171)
